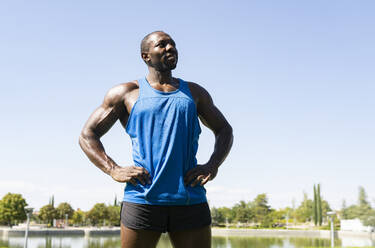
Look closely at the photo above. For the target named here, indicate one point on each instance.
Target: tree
(362, 211)
(47, 214)
(344, 211)
(12, 209)
(315, 207)
(114, 215)
(242, 212)
(227, 213)
(98, 214)
(365, 213)
(78, 217)
(217, 216)
(319, 206)
(260, 208)
(325, 208)
(278, 216)
(369, 219)
(305, 211)
(63, 209)
(52, 201)
(362, 197)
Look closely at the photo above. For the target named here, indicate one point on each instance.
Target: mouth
(171, 58)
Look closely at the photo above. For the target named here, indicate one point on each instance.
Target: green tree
(217, 216)
(364, 211)
(47, 214)
(63, 209)
(344, 211)
(114, 215)
(261, 209)
(227, 213)
(315, 207)
(305, 211)
(369, 219)
(362, 197)
(12, 209)
(78, 217)
(325, 208)
(52, 201)
(98, 214)
(353, 212)
(242, 212)
(319, 206)
(277, 217)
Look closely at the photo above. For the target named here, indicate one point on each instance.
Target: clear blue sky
(294, 78)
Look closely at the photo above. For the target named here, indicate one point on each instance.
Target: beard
(166, 64)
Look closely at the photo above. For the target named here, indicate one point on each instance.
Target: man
(164, 189)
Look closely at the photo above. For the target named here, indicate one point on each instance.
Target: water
(111, 241)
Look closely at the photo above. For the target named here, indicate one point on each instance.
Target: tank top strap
(144, 89)
(184, 88)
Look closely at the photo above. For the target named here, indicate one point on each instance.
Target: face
(162, 54)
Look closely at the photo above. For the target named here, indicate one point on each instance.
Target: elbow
(226, 131)
(82, 139)
(230, 133)
(230, 129)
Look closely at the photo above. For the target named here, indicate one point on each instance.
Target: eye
(161, 44)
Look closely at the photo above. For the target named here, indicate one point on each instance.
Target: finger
(191, 171)
(133, 181)
(146, 178)
(136, 173)
(190, 175)
(145, 171)
(139, 169)
(197, 180)
(205, 180)
(141, 179)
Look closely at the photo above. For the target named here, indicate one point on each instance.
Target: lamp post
(330, 215)
(28, 211)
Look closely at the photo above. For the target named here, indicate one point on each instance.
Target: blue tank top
(164, 130)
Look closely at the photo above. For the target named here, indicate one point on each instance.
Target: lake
(113, 241)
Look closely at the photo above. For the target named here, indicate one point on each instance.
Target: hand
(200, 174)
(129, 174)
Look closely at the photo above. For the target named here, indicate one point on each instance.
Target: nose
(170, 47)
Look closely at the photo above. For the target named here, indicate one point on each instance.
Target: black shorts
(165, 218)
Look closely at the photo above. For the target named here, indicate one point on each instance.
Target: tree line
(259, 214)
(256, 213)
(12, 212)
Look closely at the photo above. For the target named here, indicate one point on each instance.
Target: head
(158, 50)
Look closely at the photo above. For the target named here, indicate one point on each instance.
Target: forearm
(223, 145)
(93, 148)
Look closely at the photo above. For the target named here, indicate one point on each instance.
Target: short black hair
(144, 43)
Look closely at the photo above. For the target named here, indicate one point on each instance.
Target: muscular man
(164, 188)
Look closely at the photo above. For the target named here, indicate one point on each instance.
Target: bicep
(101, 120)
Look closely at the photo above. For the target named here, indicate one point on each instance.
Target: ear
(145, 57)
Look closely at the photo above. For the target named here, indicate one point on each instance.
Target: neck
(164, 77)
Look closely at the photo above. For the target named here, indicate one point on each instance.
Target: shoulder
(118, 93)
(199, 93)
